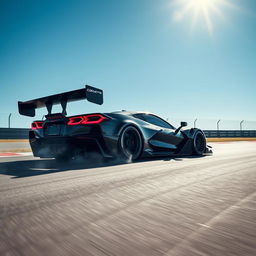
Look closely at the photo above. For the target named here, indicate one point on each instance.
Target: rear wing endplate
(92, 94)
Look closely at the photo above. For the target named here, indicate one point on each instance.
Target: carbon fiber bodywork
(56, 137)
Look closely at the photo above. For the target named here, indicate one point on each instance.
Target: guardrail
(230, 133)
(22, 133)
(14, 133)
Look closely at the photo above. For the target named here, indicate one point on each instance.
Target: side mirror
(183, 124)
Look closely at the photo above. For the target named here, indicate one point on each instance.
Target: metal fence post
(241, 128)
(218, 128)
(9, 120)
(195, 123)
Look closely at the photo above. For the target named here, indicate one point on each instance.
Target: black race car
(125, 134)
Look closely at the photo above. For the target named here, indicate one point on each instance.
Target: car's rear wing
(92, 94)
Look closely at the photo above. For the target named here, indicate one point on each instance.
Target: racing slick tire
(130, 143)
(199, 143)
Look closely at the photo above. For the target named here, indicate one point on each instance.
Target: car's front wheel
(130, 143)
(199, 143)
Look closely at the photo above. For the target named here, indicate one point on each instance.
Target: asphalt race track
(170, 206)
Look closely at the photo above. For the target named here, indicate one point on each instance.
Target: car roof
(125, 112)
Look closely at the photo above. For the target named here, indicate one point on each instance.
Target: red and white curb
(12, 154)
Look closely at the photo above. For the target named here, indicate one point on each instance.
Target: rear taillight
(86, 119)
(37, 125)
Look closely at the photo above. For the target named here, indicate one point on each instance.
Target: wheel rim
(200, 143)
(131, 143)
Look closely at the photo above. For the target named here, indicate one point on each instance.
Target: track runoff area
(164, 206)
(16, 147)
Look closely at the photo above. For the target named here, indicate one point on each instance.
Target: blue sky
(135, 51)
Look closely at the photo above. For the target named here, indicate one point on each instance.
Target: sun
(201, 4)
(204, 9)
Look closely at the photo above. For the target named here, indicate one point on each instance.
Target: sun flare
(200, 9)
(201, 4)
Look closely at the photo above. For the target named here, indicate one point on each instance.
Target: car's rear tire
(199, 143)
(130, 143)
